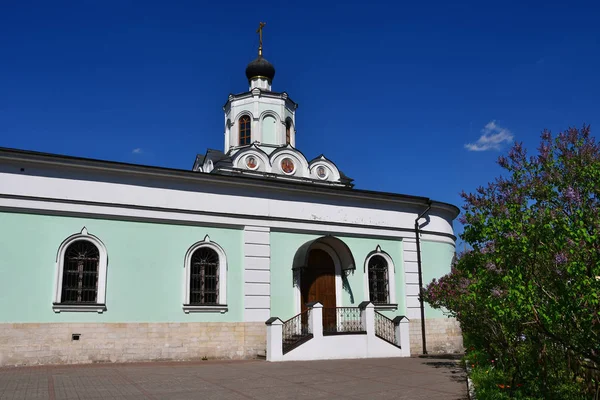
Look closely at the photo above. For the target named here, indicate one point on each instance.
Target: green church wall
(436, 261)
(145, 270)
(283, 248)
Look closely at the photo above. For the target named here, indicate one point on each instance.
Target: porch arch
(337, 245)
(341, 256)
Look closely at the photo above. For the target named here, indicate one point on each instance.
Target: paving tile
(411, 378)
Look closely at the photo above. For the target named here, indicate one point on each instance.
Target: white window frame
(100, 305)
(222, 299)
(392, 304)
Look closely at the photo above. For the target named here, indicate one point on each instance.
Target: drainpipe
(421, 276)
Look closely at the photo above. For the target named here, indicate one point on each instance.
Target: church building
(256, 249)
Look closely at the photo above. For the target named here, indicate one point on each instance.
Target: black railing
(385, 328)
(342, 320)
(295, 332)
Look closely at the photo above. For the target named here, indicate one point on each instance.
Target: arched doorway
(318, 283)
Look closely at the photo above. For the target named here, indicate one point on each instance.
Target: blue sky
(390, 91)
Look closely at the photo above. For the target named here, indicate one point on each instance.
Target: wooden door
(318, 284)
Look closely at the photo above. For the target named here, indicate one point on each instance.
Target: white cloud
(137, 150)
(492, 137)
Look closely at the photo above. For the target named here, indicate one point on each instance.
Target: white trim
(150, 215)
(263, 163)
(241, 114)
(392, 304)
(222, 300)
(386, 307)
(332, 172)
(99, 306)
(338, 277)
(272, 113)
(188, 308)
(300, 163)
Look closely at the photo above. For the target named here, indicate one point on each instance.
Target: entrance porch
(330, 322)
(339, 333)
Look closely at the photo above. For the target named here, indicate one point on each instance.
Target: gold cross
(261, 25)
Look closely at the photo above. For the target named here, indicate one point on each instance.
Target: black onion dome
(260, 67)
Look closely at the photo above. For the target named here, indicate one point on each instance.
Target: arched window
(205, 278)
(81, 274)
(245, 130)
(379, 292)
(288, 135)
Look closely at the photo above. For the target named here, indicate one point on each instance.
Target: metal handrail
(385, 328)
(295, 331)
(342, 320)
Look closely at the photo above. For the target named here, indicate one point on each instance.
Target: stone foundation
(443, 336)
(34, 344)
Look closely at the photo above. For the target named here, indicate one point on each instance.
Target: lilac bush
(534, 267)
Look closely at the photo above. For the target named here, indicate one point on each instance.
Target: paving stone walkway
(399, 378)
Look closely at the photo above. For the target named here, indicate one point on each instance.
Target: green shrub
(527, 294)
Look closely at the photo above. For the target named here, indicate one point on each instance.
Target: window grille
(245, 131)
(80, 273)
(204, 277)
(378, 280)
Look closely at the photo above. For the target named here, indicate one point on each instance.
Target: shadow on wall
(346, 286)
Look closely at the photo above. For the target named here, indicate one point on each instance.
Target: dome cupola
(260, 72)
(260, 68)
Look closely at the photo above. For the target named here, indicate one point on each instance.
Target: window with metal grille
(288, 136)
(378, 280)
(204, 277)
(80, 273)
(245, 134)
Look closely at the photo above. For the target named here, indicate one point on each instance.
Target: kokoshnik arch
(106, 261)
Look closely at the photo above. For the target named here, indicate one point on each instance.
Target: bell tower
(260, 135)
(260, 115)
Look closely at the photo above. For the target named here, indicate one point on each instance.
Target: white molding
(222, 299)
(338, 277)
(239, 158)
(240, 114)
(386, 307)
(99, 306)
(300, 162)
(391, 278)
(272, 113)
(257, 265)
(220, 308)
(333, 174)
(167, 215)
(200, 194)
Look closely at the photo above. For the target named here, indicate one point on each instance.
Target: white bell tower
(260, 115)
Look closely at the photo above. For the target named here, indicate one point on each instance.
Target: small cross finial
(261, 25)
